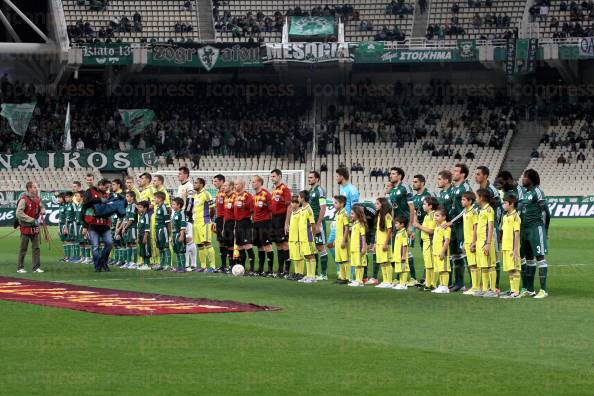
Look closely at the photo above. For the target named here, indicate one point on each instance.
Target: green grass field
(327, 339)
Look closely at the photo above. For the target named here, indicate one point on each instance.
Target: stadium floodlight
(293, 178)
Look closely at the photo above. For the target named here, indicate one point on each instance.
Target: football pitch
(326, 339)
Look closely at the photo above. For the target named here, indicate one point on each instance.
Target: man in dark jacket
(97, 228)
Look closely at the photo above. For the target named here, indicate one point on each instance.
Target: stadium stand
(262, 20)
(47, 179)
(474, 19)
(562, 19)
(160, 20)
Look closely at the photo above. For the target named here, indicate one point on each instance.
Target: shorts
(202, 233)
(262, 233)
(485, 261)
(382, 256)
(162, 238)
(228, 233)
(320, 238)
(131, 235)
(533, 240)
(457, 239)
(400, 268)
(340, 255)
(427, 255)
(72, 232)
(244, 231)
(509, 264)
(144, 250)
(307, 248)
(178, 247)
(81, 238)
(470, 256)
(440, 265)
(295, 251)
(278, 233)
(358, 259)
(219, 223)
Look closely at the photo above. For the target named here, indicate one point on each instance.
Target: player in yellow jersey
(510, 245)
(306, 237)
(383, 241)
(157, 186)
(294, 250)
(358, 244)
(400, 255)
(202, 208)
(130, 186)
(430, 205)
(341, 251)
(470, 220)
(486, 256)
(441, 251)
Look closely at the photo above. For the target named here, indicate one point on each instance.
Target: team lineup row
(459, 230)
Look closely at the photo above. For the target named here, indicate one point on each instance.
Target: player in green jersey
(457, 255)
(421, 193)
(400, 196)
(144, 234)
(162, 231)
(317, 202)
(533, 234)
(178, 233)
(444, 183)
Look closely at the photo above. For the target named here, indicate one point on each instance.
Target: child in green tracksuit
(144, 234)
(129, 232)
(178, 233)
(162, 231)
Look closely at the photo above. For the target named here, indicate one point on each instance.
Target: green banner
(309, 26)
(107, 54)
(136, 119)
(571, 206)
(18, 116)
(109, 160)
(374, 52)
(206, 57)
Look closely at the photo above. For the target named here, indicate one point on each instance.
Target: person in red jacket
(30, 213)
(97, 228)
(263, 225)
(243, 208)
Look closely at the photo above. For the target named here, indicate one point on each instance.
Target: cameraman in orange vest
(30, 213)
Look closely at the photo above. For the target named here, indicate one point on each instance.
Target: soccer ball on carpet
(238, 270)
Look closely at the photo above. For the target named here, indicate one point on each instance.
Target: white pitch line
(122, 279)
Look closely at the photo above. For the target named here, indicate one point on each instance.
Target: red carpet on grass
(113, 302)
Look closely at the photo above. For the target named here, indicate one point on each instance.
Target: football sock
(428, 277)
(404, 278)
(341, 272)
(261, 260)
(474, 277)
(210, 256)
(389, 277)
(252, 258)
(242, 256)
(459, 271)
(311, 268)
(530, 274)
(65, 247)
(202, 256)
(542, 274)
(523, 272)
(168, 256)
(223, 254)
(287, 262)
(444, 278)
(318, 266)
(181, 261)
(492, 278)
(411, 265)
(133, 254)
(299, 267)
(270, 256)
(359, 273)
(514, 281)
(347, 270)
(497, 274)
(324, 262)
(376, 268)
(191, 254)
(485, 279)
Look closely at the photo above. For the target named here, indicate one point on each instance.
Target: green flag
(311, 26)
(136, 119)
(18, 116)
